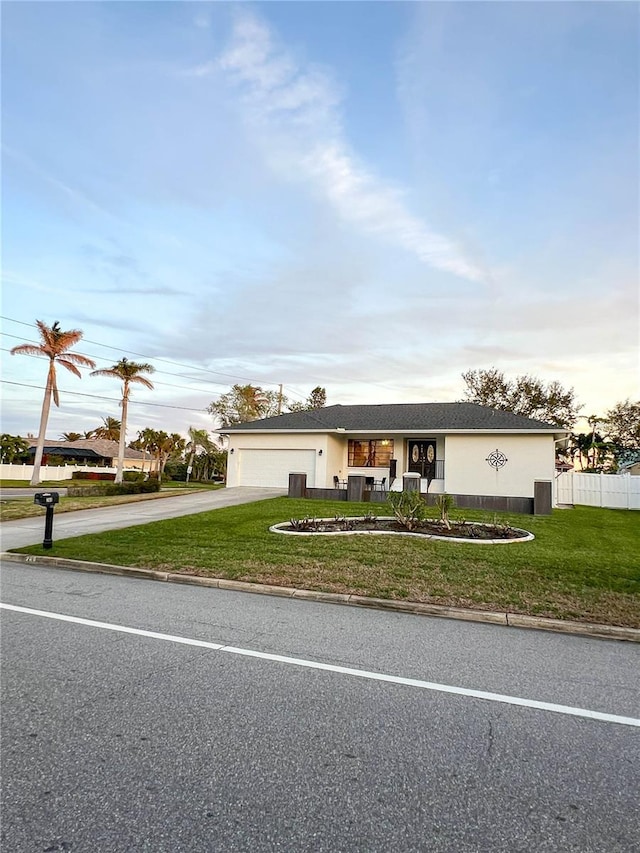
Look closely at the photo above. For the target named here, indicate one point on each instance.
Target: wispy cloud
(297, 108)
(76, 196)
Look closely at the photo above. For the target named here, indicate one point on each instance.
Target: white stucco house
(459, 448)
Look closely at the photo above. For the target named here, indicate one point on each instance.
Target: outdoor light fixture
(320, 452)
(232, 449)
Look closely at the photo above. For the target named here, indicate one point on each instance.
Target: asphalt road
(118, 741)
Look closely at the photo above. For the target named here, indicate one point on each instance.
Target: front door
(422, 458)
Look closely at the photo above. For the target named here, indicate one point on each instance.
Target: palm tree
(71, 436)
(593, 421)
(128, 372)
(163, 446)
(55, 345)
(197, 438)
(144, 443)
(109, 430)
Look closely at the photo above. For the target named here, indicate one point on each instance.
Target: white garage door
(272, 467)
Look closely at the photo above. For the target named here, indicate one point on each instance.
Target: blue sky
(373, 197)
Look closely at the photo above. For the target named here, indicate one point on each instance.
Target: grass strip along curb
(513, 620)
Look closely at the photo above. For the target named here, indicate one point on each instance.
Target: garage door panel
(272, 467)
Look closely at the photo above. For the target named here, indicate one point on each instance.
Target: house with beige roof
(100, 452)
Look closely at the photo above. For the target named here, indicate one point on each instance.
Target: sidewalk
(30, 531)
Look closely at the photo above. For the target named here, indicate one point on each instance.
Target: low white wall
(48, 472)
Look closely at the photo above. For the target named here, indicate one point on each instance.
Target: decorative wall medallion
(497, 459)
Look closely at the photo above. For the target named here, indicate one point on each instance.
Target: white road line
(343, 670)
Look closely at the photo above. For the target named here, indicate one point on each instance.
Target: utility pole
(280, 400)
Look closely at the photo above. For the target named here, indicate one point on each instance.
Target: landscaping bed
(458, 531)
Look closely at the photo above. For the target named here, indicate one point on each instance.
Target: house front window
(370, 453)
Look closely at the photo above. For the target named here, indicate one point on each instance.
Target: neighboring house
(630, 468)
(460, 448)
(90, 451)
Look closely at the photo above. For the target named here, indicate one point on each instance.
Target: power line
(153, 358)
(142, 355)
(155, 381)
(99, 397)
(289, 390)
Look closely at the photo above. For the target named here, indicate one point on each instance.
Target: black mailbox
(46, 498)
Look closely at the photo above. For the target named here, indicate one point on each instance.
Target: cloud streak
(296, 107)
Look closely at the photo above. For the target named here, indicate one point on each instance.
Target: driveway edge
(512, 620)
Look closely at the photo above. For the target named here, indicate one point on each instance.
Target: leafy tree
(623, 424)
(524, 395)
(109, 431)
(55, 345)
(128, 372)
(245, 403)
(71, 436)
(317, 399)
(13, 448)
(251, 403)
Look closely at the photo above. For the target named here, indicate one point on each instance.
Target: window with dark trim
(370, 453)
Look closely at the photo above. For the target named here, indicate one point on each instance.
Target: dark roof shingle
(396, 417)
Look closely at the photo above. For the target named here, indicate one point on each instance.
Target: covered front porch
(385, 460)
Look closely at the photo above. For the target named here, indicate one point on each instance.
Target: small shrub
(110, 489)
(445, 504)
(409, 508)
(344, 523)
(304, 524)
(133, 476)
(176, 471)
(92, 475)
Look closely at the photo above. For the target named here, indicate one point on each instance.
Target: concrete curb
(512, 620)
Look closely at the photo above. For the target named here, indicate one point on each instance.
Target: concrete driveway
(30, 531)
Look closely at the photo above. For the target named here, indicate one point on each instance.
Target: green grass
(583, 563)
(12, 509)
(62, 484)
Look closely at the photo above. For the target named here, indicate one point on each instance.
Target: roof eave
(421, 431)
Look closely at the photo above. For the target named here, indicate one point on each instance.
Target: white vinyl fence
(615, 491)
(48, 472)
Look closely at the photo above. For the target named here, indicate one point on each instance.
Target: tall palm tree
(127, 372)
(55, 346)
(71, 436)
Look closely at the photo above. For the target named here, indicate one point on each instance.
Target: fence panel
(614, 491)
(47, 472)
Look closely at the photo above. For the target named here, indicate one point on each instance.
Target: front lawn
(582, 565)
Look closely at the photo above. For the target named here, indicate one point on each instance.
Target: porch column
(411, 481)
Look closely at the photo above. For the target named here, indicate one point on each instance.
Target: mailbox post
(48, 500)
